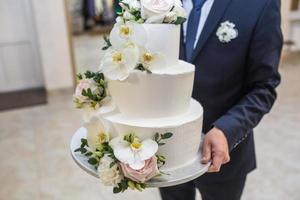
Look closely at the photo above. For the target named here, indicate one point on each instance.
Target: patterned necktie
(192, 27)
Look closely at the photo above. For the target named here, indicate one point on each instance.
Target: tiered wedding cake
(148, 114)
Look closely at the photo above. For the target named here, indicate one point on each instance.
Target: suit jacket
(235, 82)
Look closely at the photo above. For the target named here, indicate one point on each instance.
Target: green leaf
(112, 164)
(180, 20)
(93, 161)
(167, 135)
(83, 142)
(131, 185)
(139, 187)
(105, 48)
(117, 190)
(89, 74)
(88, 154)
(77, 150)
(142, 68)
(124, 185)
(143, 185)
(79, 76)
(161, 144)
(156, 137)
(107, 41)
(83, 150)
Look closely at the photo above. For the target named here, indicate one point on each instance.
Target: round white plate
(178, 176)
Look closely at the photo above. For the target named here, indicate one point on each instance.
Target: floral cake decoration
(125, 161)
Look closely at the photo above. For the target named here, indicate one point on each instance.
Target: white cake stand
(178, 176)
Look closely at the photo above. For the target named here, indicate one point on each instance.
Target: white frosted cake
(161, 101)
(144, 120)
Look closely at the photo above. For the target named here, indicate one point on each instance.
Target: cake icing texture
(144, 118)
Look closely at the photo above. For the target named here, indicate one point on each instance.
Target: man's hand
(215, 148)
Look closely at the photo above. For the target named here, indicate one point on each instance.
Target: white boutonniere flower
(227, 32)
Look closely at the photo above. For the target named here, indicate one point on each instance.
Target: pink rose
(85, 84)
(149, 171)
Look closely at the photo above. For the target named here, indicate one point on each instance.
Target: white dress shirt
(188, 6)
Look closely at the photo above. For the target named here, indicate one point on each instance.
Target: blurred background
(44, 43)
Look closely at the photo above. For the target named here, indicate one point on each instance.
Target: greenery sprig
(101, 150)
(107, 43)
(160, 137)
(142, 68)
(126, 183)
(93, 159)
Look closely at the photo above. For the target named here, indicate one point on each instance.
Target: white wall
(53, 43)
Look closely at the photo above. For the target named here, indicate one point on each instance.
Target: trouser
(224, 190)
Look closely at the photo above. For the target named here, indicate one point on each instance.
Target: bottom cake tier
(182, 148)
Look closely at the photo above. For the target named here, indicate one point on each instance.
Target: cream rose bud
(149, 171)
(109, 176)
(128, 16)
(154, 11)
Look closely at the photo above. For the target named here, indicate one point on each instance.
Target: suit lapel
(217, 11)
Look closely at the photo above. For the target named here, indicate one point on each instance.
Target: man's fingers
(226, 159)
(206, 151)
(217, 161)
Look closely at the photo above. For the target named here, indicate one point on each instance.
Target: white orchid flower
(152, 61)
(118, 63)
(124, 32)
(134, 154)
(97, 133)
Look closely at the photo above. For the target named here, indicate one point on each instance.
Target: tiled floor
(35, 162)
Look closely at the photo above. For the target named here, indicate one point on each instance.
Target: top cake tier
(165, 39)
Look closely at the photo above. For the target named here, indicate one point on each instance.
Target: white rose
(154, 11)
(109, 176)
(130, 4)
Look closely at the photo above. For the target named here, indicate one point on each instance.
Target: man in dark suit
(235, 82)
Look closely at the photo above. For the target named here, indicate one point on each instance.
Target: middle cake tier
(156, 95)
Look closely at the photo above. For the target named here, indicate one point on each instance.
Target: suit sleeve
(262, 77)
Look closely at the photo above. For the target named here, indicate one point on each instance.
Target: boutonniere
(227, 32)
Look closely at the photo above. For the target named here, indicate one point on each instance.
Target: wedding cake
(143, 120)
